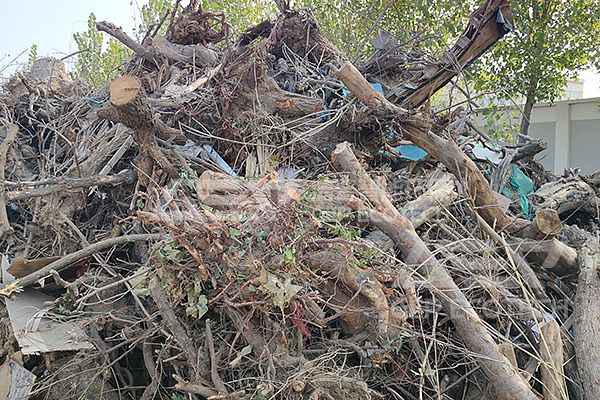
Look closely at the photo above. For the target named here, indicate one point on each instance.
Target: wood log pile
(233, 218)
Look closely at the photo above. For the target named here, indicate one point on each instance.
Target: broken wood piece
(586, 329)
(62, 184)
(507, 382)
(552, 360)
(69, 259)
(11, 135)
(121, 36)
(552, 254)
(20, 267)
(566, 195)
(431, 203)
(488, 24)
(196, 54)
(128, 97)
(529, 150)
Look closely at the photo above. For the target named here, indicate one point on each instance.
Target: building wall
(571, 128)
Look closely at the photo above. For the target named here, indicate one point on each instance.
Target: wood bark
(507, 381)
(195, 54)
(417, 130)
(586, 328)
(552, 360)
(565, 196)
(128, 97)
(121, 36)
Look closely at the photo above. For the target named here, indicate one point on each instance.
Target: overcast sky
(50, 25)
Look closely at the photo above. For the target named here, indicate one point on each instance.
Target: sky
(52, 23)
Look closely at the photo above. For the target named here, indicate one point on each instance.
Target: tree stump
(128, 97)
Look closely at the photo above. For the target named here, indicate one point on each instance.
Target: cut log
(546, 225)
(552, 360)
(417, 130)
(506, 381)
(585, 326)
(552, 254)
(565, 195)
(226, 192)
(128, 97)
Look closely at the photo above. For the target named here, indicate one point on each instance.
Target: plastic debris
(519, 186)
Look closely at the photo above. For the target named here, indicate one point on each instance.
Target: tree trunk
(585, 326)
(526, 118)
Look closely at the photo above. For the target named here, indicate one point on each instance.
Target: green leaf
(244, 352)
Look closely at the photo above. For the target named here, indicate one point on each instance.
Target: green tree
(242, 14)
(553, 41)
(98, 61)
(152, 13)
(351, 23)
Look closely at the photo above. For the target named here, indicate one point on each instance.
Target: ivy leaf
(281, 292)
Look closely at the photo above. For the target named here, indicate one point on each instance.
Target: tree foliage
(98, 60)
(553, 40)
(151, 14)
(351, 23)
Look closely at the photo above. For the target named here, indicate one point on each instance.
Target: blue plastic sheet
(411, 152)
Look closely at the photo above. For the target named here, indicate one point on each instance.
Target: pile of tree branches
(235, 218)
